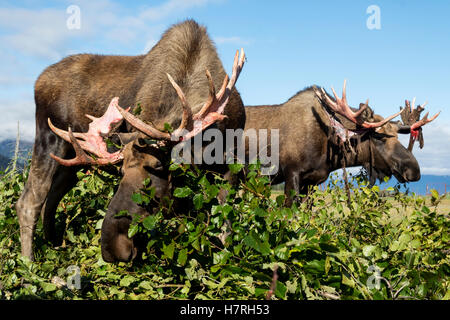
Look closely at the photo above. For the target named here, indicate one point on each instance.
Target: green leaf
(174, 166)
(48, 287)
(280, 290)
(150, 222)
(168, 127)
(368, 250)
(137, 198)
(121, 213)
(348, 281)
(134, 228)
(137, 110)
(198, 201)
(182, 192)
(235, 167)
(127, 280)
(147, 285)
(434, 194)
(315, 266)
(99, 224)
(182, 257)
(168, 250)
(404, 240)
(252, 241)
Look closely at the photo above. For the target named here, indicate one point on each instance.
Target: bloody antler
(412, 122)
(341, 107)
(91, 141)
(191, 125)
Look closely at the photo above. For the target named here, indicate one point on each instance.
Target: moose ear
(368, 112)
(127, 137)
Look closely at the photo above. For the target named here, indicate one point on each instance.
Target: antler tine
(212, 90)
(408, 105)
(322, 95)
(211, 111)
(341, 107)
(373, 125)
(186, 120)
(66, 136)
(344, 92)
(424, 121)
(218, 104)
(81, 158)
(412, 124)
(411, 114)
(361, 109)
(92, 141)
(151, 131)
(237, 67)
(238, 64)
(213, 97)
(143, 127)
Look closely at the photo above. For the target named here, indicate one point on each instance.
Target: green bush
(247, 247)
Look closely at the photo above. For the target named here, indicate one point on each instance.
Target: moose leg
(64, 180)
(37, 187)
(291, 185)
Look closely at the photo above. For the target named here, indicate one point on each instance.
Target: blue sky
(289, 45)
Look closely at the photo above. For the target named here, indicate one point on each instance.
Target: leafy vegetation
(248, 247)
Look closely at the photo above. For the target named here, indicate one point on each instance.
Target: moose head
(382, 154)
(141, 160)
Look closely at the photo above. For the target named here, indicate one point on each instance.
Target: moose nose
(412, 173)
(414, 176)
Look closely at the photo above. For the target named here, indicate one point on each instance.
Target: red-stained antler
(91, 141)
(412, 124)
(341, 107)
(191, 125)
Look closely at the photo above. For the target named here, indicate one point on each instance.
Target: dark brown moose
(319, 134)
(170, 85)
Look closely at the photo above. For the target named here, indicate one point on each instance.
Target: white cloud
(171, 7)
(43, 33)
(37, 33)
(435, 171)
(18, 110)
(33, 38)
(435, 155)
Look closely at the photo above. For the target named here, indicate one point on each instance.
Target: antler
(412, 124)
(92, 141)
(190, 125)
(341, 107)
(210, 112)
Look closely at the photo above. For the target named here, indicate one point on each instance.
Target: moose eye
(154, 166)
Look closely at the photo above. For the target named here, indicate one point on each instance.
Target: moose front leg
(291, 187)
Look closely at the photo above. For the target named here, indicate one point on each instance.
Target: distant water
(424, 185)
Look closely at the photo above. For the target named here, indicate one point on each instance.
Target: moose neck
(354, 152)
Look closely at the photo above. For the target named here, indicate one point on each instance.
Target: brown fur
(308, 150)
(85, 84)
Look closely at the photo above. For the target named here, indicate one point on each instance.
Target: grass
(442, 208)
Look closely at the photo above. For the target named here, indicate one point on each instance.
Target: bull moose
(170, 86)
(319, 134)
